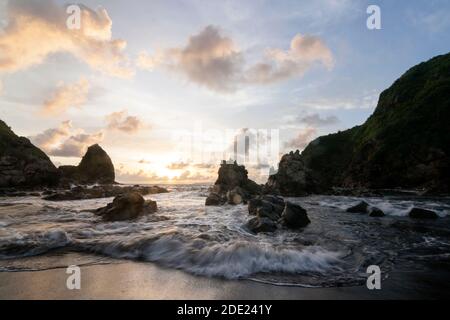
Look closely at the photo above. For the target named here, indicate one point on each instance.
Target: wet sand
(136, 280)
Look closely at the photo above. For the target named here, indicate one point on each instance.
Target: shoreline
(124, 279)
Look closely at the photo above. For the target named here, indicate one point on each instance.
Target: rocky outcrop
(95, 167)
(127, 206)
(273, 212)
(404, 144)
(22, 165)
(418, 213)
(376, 212)
(362, 207)
(232, 186)
(100, 191)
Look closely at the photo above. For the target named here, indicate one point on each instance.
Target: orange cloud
(37, 29)
(123, 122)
(213, 60)
(66, 96)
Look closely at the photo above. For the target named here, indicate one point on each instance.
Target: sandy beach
(136, 280)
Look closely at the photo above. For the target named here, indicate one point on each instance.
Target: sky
(168, 88)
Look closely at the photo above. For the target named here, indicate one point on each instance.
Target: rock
(375, 212)
(126, 207)
(417, 213)
(267, 211)
(253, 205)
(261, 224)
(22, 165)
(95, 167)
(232, 186)
(404, 144)
(100, 191)
(362, 207)
(294, 216)
(236, 196)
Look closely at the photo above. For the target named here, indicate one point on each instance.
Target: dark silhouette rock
(127, 207)
(294, 216)
(22, 165)
(99, 191)
(232, 186)
(418, 213)
(261, 224)
(362, 207)
(376, 212)
(404, 144)
(95, 167)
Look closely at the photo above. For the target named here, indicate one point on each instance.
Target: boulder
(261, 224)
(294, 216)
(376, 212)
(361, 207)
(253, 205)
(418, 213)
(126, 207)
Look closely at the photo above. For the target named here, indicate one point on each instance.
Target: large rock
(294, 216)
(22, 165)
(418, 213)
(257, 225)
(95, 167)
(361, 207)
(404, 144)
(127, 207)
(99, 191)
(232, 186)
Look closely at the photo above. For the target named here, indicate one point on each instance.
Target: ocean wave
(233, 260)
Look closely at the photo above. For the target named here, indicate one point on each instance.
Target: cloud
(304, 52)
(302, 139)
(37, 29)
(121, 121)
(208, 59)
(66, 96)
(177, 166)
(212, 60)
(65, 141)
(314, 120)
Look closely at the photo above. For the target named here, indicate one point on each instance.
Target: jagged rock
(261, 224)
(253, 205)
(232, 186)
(376, 212)
(100, 191)
(22, 165)
(126, 207)
(403, 145)
(362, 207)
(95, 167)
(418, 213)
(294, 216)
(236, 196)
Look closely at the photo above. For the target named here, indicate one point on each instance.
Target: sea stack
(232, 186)
(95, 167)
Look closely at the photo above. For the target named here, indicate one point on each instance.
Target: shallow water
(334, 250)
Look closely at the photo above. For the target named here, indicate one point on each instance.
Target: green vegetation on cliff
(404, 144)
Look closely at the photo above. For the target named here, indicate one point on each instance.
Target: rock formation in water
(99, 191)
(272, 212)
(232, 186)
(22, 165)
(404, 144)
(95, 167)
(127, 206)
